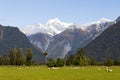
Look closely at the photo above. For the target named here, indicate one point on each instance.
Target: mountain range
(100, 40)
(67, 40)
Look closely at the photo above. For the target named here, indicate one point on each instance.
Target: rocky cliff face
(40, 40)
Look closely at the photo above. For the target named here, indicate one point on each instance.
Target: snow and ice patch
(52, 27)
(102, 20)
(47, 44)
(76, 26)
(38, 44)
(67, 48)
(55, 26)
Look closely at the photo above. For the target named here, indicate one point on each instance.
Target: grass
(63, 73)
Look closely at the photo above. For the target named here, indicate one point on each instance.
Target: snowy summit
(55, 26)
(52, 27)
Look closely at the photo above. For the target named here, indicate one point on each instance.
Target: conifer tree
(29, 55)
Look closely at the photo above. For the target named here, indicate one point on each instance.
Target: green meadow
(63, 73)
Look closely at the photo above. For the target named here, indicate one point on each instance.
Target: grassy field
(64, 73)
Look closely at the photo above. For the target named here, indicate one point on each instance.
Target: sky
(28, 12)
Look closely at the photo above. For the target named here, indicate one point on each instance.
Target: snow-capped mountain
(98, 27)
(66, 38)
(52, 27)
(67, 41)
(106, 45)
(102, 20)
(73, 38)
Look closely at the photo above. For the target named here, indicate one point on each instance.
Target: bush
(59, 62)
(109, 62)
(51, 63)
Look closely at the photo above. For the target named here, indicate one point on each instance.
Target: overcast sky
(27, 12)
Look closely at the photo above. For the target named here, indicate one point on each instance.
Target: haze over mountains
(63, 39)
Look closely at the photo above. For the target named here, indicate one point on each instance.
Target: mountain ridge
(106, 45)
(12, 37)
(74, 37)
(55, 26)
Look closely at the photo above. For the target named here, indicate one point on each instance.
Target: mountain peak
(55, 26)
(102, 20)
(52, 27)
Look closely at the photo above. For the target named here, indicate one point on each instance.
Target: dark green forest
(16, 57)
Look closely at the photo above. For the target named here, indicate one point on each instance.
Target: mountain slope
(107, 45)
(40, 40)
(13, 38)
(69, 40)
(118, 19)
(62, 43)
(73, 38)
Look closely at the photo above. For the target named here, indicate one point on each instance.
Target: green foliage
(81, 52)
(51, 62)
(59, 62)
(12, 56)
(91, 61)
(6, 60)
(80, 59)
(70, 60)
(29, 57)
(20, 60)
(117, 62)
(109, 62)
(45, 53)
(77, 62)
(1, 60)
(16, 57)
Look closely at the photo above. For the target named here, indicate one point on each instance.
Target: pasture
(63, 73)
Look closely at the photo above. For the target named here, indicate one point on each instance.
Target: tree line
(16, 57)
(79, 59)
(73, 60)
